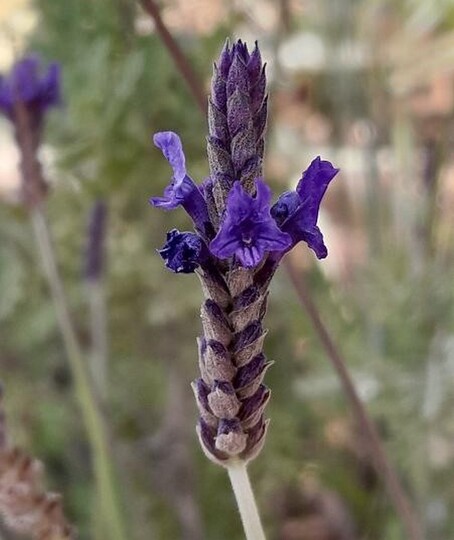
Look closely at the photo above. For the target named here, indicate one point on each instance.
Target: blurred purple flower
(28, 84)
(248, 230)
(296, 212)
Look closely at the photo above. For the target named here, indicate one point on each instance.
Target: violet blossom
(239, 243)
(30, 85)
(296, 212)
(247, 229)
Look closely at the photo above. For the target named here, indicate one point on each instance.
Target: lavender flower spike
(248, 230)
(236, 260)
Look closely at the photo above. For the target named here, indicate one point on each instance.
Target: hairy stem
(91, 412)
(385, 469)
(245, 499)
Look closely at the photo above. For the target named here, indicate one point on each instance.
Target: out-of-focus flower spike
(30, 87)
(26, 94)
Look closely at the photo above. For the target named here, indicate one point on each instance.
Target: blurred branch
(94, 271)
(181, 62)
(386, 471)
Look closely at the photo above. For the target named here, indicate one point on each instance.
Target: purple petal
(50, 85)
(250, 256)
(313, 184)
(170, 145)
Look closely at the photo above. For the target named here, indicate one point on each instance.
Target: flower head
(182, 251)
(30, 85)
(296, 212)
(248, 230)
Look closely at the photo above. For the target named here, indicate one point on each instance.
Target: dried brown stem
(181, 62)
(386, 471)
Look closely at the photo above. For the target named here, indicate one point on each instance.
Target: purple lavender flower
(182, 251)
(182, 190)
(296, 212)
(239, 246)
(248, 230)
(29, 85)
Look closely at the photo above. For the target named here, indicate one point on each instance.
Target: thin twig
(386, 471)
(185, 68)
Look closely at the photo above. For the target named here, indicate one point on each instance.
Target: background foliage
(344, 84)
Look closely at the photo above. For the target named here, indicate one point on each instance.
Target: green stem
(98, 325)
(91, 412)
(245, 499)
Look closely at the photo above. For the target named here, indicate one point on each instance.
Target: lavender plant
(239, 240)
(25, 97)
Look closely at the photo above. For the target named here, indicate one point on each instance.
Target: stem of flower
(91, 412)
(245, 499)
(384, 467)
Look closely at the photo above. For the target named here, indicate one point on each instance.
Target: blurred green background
(368, 84)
